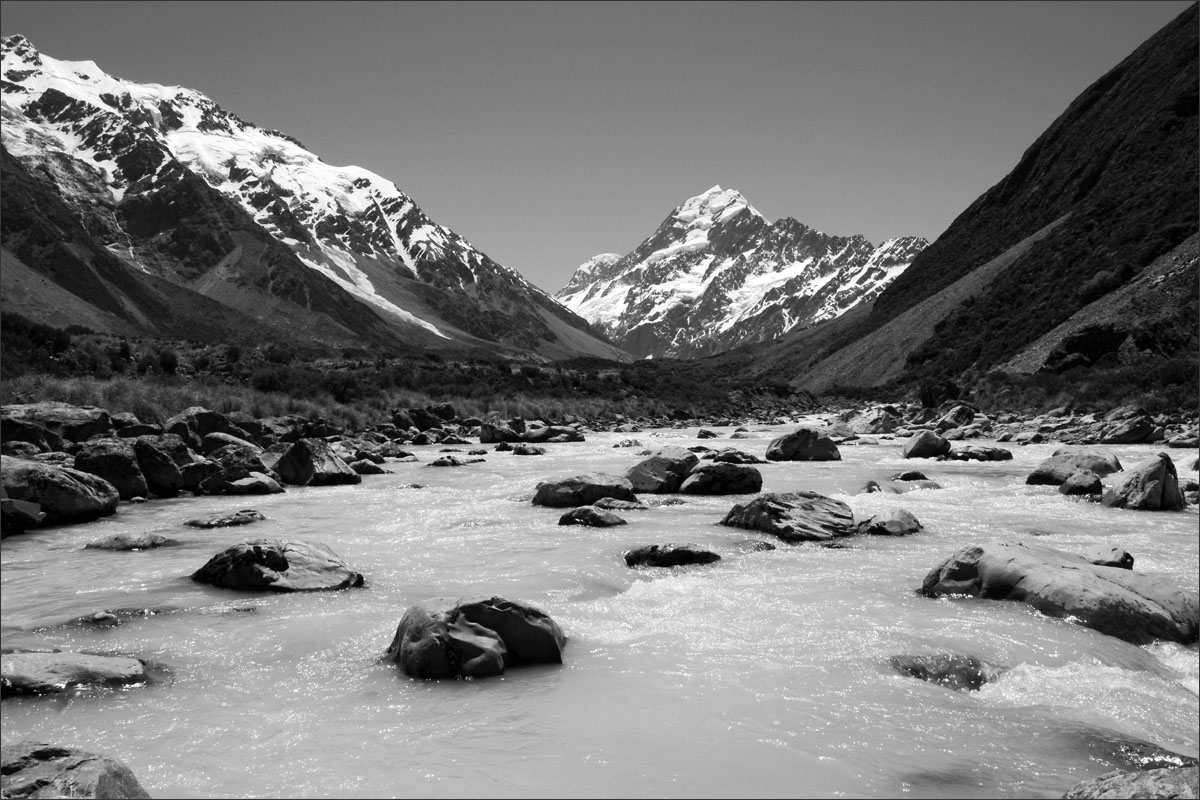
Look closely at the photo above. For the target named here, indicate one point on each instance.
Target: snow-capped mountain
(174, 186)
(716, 275)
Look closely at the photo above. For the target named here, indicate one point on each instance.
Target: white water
(764, 674)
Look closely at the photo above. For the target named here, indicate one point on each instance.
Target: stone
(663, 472)
(722, 479)
(961, 673)
(971, 452)
(628, 443)
(1169, 782)
(590, 516)
(909, 475)
(1112, 557)
(453, 461)
(311, 462)
(214, 441)
(897, 522)
(1152, 485)
(1082, 483)
(528, 450)
(496, 431)
(582, 490)
(36, 769)
(731, 456)
(18, 516)
(114, 460)
(794, 516)
(162, 475)
(446, 637)
(64, 494)
(196, 422)
(1132, 606)
(244, 517)
(1066, 461)
(15, 429)
(273, 565)
(803, 444)
(131, 541)
(897, 487)
(705, 433)
(926, 444)
(69, 422)
(55, 671)
(365, 466)
(612, 504)
(957, 417)
(1128, 431)
(669, 555)
(1029, 437)
(194, 475)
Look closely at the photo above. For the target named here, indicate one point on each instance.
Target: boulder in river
(447, 637)
(1169, 782)
(973, 452)
(722, 478)
(35, 769)
(794, 516)
(159, 469)
(663, 472)
(897, 487)
(582, 490)
(897, 522)
(962, 673)
(1152, 485)
(311, 462)
(1133, 606)
(1066, 461)
(57, 671)
(803, 444)
(669, 555)
(143, 540)
(113, 459)
(18, 516)
(64, 494)
(15, 429)
(273, 565)
(69, 422)
(1112, 557)
(243, 517)
(926, 444)
(590, 516)
(1084, 482)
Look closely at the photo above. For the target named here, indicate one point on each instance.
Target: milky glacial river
(764, 674)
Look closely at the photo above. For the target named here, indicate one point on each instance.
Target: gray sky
(546, 133)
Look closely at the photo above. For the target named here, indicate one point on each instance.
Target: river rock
(962, 673)
(446, 637)
(495, 431)
(453, 461)
(64, 494)
(243, 517)
(194, 475)
(909, 475)
(1128, 431)
(612, 504)
(18, 516)
(1112, 557)
(731, 456)
(662, 473)
(211, 442)
(897, 522)
(1171, 782)
(722, 479)
(311, 462)
(131, 541)
(880, 420)
(15, 429)
(1152, 485)
(590, 516)
(926, 444)
(69, 422)
(959, 416)
(36, 769)
(196, 422)
(1066, 461)
(114, 460)
(1132, 606)
(803, 444)
(1082, 483)
(528, 450)
(582, 490)
(159, 469)
(273, 565)
(628, 443)
(365, 466)
(972, 452)
(897, 487)
(669, 555)
(56, 671)
(794, 516)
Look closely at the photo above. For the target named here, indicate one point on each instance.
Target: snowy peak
(716, 274)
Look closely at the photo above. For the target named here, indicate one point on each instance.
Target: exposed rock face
(1167, 784)
(895, 523)
(926, 444)
(36, 770)
(722, 478)
(1152, 485)
(55, 671)
(794, 516)
(803, 444)
(662, 473)
(947, 669)
(669, 555)
(64, 494)
(591, 516)
(1132, 606)
(582, 490)
(114, 460)
(1066, 461)
(273, 565)
(446, 637)
(311, 462)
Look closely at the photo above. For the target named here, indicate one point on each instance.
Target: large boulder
(196, 422)
(18, 516)
(1132, 430)
(590, 516)
(879, 420)
(722, 478)
(732, 456)
(114, 460)
(794, 516)
(582, 490)
(15, 429)
(162, 474)
(974, 452)
(35, 769)
(64, 494)
(55, 671)
(311, 462)
(959, 416)
(273, 565)
(1152, 485)
(897, 522)
(1133, 606)
(1168, 783)
(72, 423)
(662, 473)
(496, 431)
(669, 555)
(1066, 461)
(446, 637)
(962, 673)
(803, 444)
(926, 444)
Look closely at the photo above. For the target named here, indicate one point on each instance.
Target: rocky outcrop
(273, 565)
(669, 555)
(446, 637)
(311, 462)
(582, 490)
(1152, 485)
(926, 444)
(1066, 461)
(64, 494)
(114, 460)
(56, 671)
(1158, 784)
(662, 473)
(794, 516)
(803, 444)
(590, 516)
(36, 769)
(722, 479)
(1132, 606)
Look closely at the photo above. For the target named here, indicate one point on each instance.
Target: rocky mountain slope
(716, 275)
(164, 183)
(1104, 202)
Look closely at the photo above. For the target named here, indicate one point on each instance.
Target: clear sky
(546, 133)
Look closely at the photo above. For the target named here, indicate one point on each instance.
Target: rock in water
(582, 490)
(446, 637)
(947, 669)
(1133, 606)
(1152, 485)
(794, 516)
(243, 517)
(55, 671)
(590, 516)
(1176, 782)
(722, 478)
(803, 444)
(273, 565)
(131, 541)
(669, 555)
(36, 769)
(1066, 461)
(663, 472)
(113, 459)
(64, 494)
(895, 523)
(926, 444)
(311, 462)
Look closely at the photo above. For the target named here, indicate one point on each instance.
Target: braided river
(763, 674)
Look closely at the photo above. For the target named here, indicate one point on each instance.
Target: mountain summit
(170, 185)
(716, 275)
